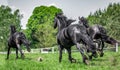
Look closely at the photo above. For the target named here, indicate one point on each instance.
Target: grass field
(110, 61)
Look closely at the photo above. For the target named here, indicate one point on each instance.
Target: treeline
(109, 18)
(7, 18)
(40, 27)
(40, 24)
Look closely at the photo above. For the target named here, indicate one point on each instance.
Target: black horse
(99, 34)
(69, 35)
(15, 40)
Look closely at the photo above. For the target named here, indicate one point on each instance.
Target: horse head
(25, 41)
(12, 29)
(60, 21)
(83, 21)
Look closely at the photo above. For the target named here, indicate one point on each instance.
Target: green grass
(110, 61)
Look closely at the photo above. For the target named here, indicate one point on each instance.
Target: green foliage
(8, 17)
(109, 18)
(40, 26)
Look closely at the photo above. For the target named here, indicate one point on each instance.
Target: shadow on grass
(97, 62)
(19, 58)
(28, 58)
(99, 59)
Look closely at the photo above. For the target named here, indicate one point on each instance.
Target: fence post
(116, 45)
(41, 50)
(65, 51)
(52, 49)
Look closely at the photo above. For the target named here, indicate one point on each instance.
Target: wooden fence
(53, 50)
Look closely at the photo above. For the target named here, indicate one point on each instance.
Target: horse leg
(85, 59)
(16, 53)
(99, 42)
(8, 52)
(69, 56)
(101, 54)
(98, 46)
(60, 53)
(95, 54)
(18, 46)
(88, 50)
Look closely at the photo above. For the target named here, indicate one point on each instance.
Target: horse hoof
(95, 55)
(16, 57)
(59, 61)
(73, 61)
(6, 58)
(90, 57)
(101, 55)
(86, 62)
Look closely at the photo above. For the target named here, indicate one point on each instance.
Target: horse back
(14, 39)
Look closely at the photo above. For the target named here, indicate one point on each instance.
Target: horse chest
(13, 41)
(63, 40)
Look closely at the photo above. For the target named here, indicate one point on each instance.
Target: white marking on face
(96, 29)
(76, 30)
(76, 22)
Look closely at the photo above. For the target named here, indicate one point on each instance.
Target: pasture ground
(110, 61)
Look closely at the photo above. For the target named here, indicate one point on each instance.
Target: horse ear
(13, 29)
(82, 18)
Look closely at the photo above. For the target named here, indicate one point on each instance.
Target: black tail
(12, 29)
(108, 39)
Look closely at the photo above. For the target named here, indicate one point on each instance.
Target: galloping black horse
(99, 34)
(69, 35)
(15, 40)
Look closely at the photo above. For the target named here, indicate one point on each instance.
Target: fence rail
(52, 50)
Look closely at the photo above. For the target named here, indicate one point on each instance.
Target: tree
(40, 26)
(7, 18)
(108, 18)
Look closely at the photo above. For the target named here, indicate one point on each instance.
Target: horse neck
(13, 30)
(61, 26)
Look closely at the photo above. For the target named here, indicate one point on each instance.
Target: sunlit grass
(110, 61)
